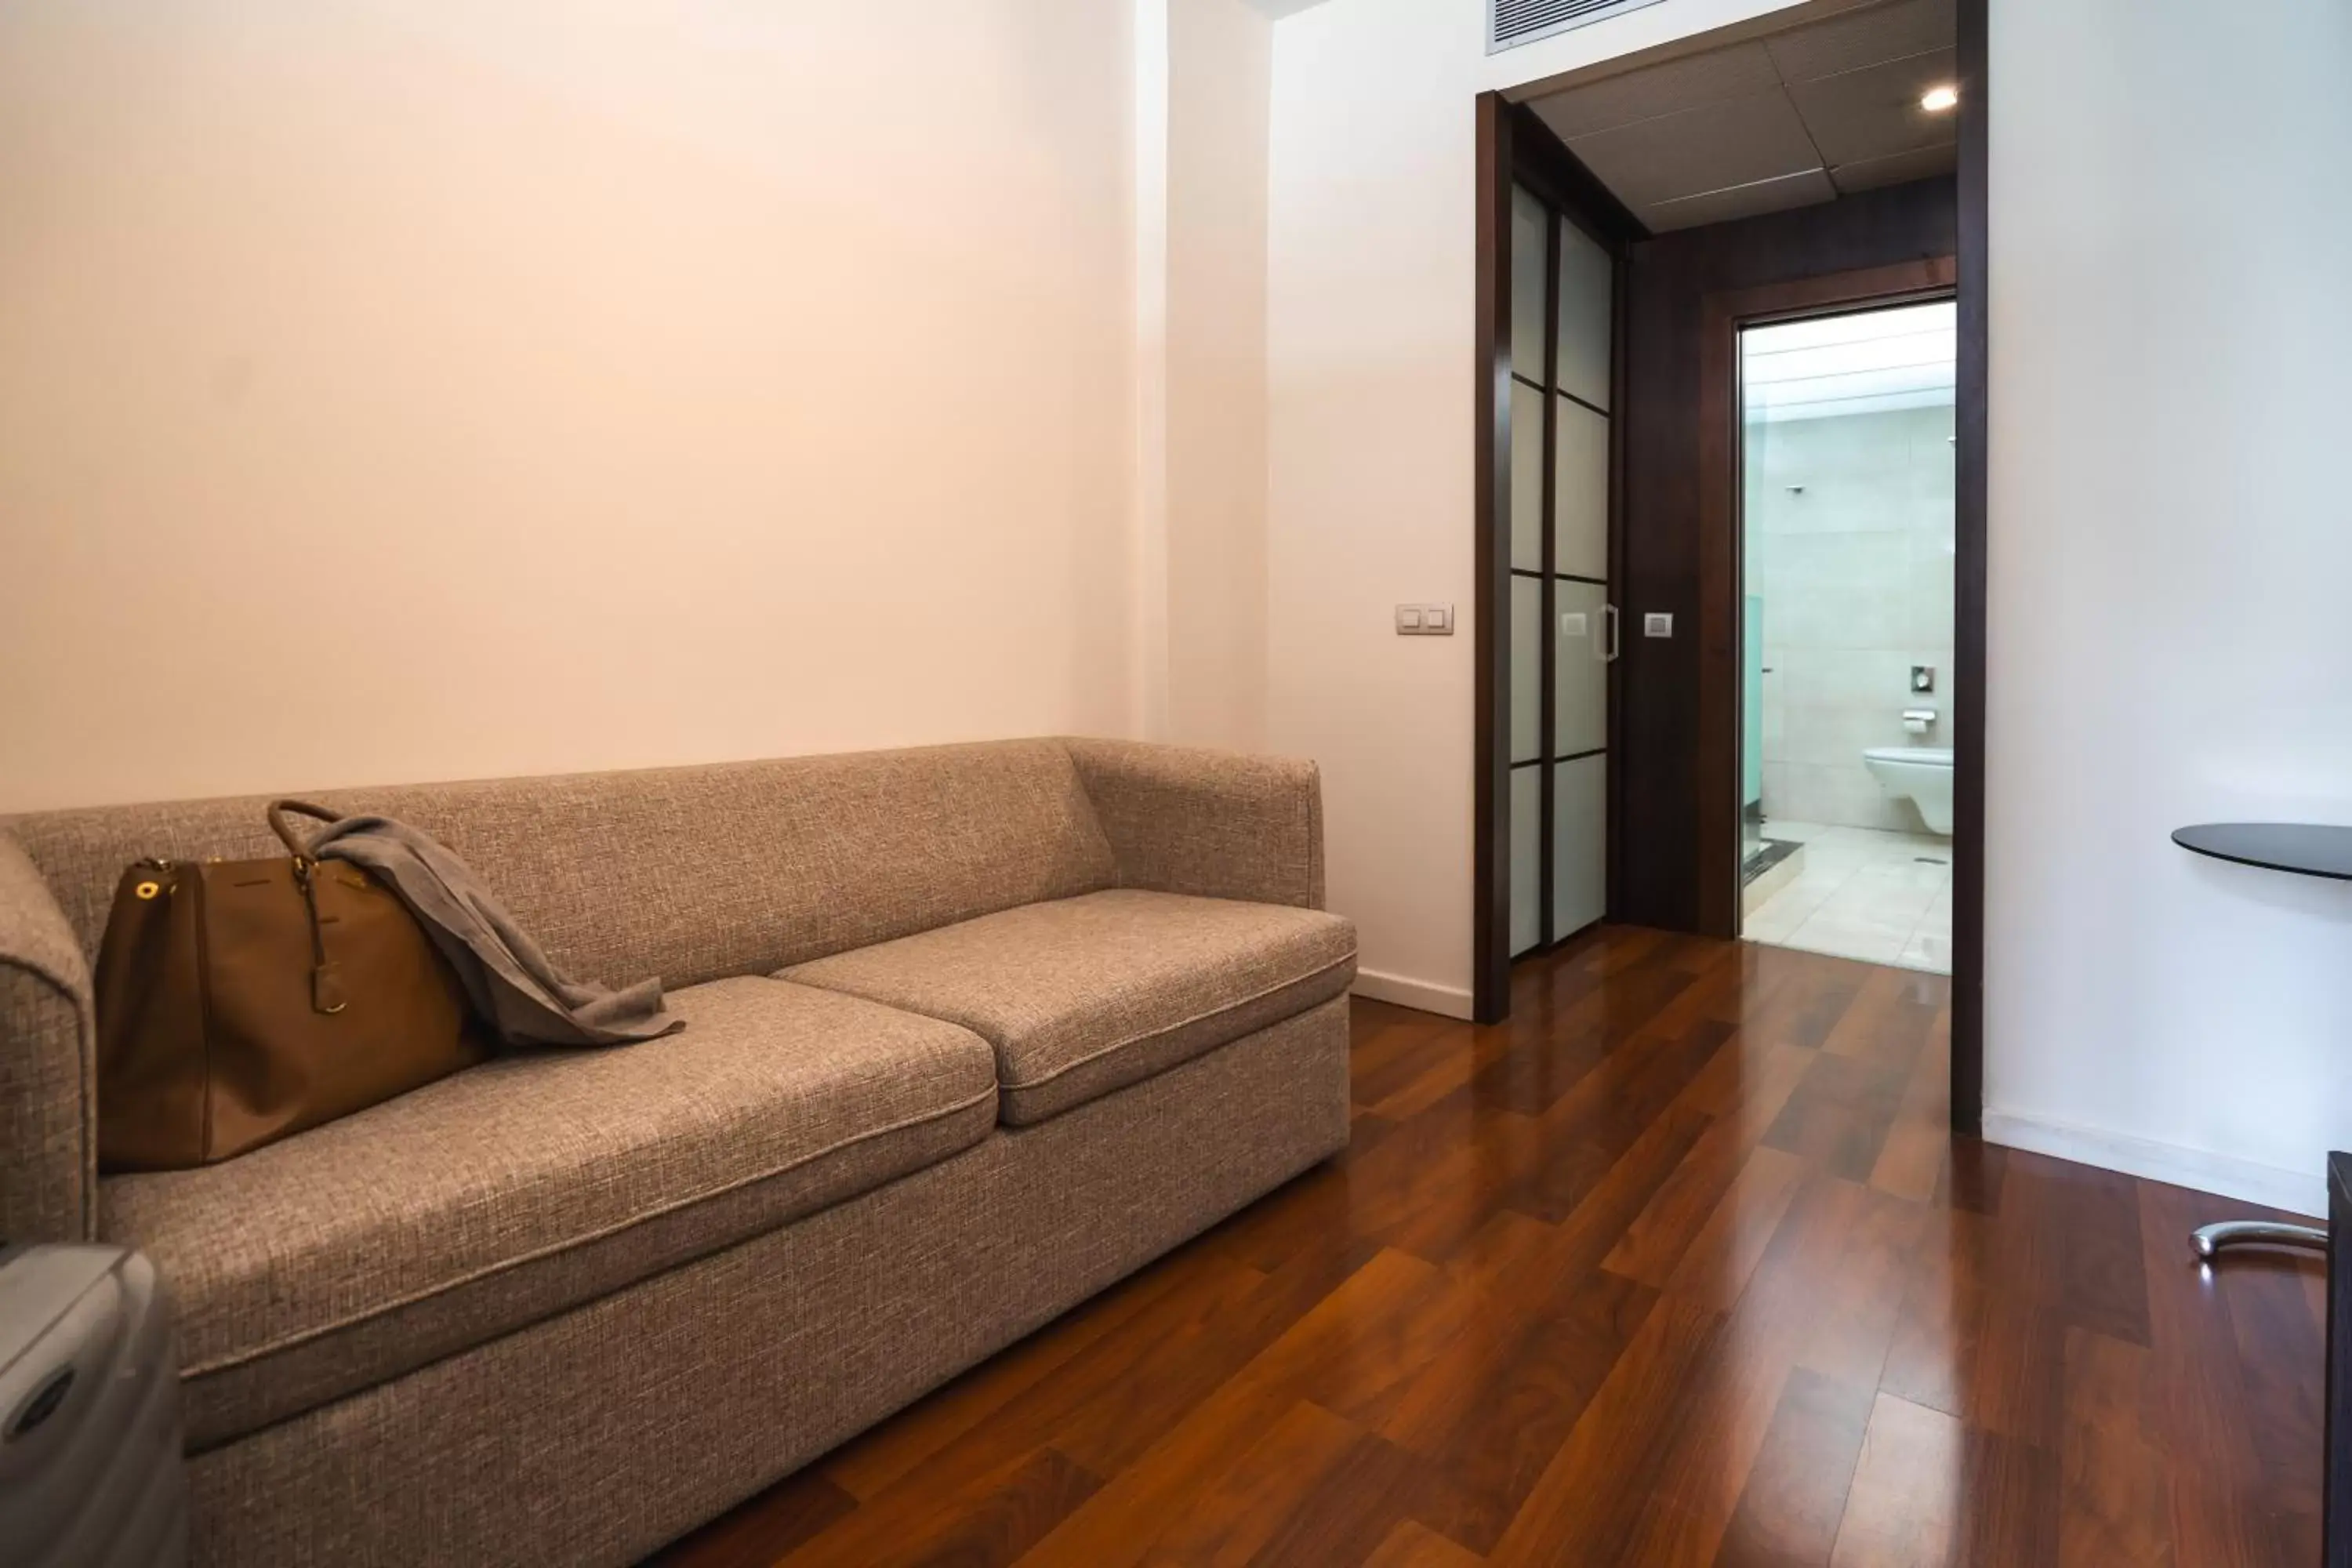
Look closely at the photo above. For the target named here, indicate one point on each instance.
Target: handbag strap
(326, 977)
(285, 829)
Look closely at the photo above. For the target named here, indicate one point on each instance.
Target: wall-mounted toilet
(1923, 775)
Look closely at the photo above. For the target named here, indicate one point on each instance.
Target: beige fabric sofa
(972, 1032)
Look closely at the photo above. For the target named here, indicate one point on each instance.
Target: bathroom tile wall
(1848, 527)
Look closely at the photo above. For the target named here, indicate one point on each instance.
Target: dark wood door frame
(1970, 436)
(1490, 908)
(1722, 593)
(1720, 569)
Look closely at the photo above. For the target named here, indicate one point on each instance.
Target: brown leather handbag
(242, 1000)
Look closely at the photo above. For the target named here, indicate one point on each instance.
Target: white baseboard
(1445, 1000)
(2297, 1192)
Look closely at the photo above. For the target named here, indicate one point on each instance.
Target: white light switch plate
(1657, 626)
(1424, 620)
(1572, 624)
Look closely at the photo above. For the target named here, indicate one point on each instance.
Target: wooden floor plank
(1889, 1016)
(1237, 1511)
(1795, 1493)
(1495, 1407)
(1842, 1112)
(1588, 1502)
(1904, 1507)
(2115, 1499)
(780, 1520)
(1677, 1265)
(990, 1519)
(1219, 1305)
(2084, 1224)
(867, 1465)
(1356, 1505)
(1659, 1236)
(1413, 1544)
(2199, 1392)
(1384, 1321)
(1912, 1160)
(1717, 1265)
(2012, 1509)
(2276, 1340)
(1823, 1300)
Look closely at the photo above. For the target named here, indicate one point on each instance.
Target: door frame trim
(1720, 570)
(1490, 904)
(1971, 446)
(1720, 600)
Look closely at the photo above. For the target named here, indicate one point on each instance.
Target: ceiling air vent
(1510, 23)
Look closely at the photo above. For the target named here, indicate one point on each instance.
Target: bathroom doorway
(1846, 516)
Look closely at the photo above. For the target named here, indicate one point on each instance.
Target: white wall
(1220, 60)
(391, 392)
(1370, 290)
(2170, 550)
(1849, 532)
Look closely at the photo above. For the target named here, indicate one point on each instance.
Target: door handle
(1606, 645)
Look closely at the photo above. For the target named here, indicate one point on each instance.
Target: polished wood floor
(1679, 1265)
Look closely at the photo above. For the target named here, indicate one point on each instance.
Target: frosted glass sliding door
(1526, 869)
(1531, 277)
(1579, 502)
(1584, 620)
(1579, 837)
(1563, 626)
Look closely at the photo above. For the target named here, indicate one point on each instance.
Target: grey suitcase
(91, 1471)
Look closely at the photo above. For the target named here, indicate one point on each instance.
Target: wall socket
(1424, 620)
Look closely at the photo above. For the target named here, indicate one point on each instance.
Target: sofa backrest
(687, 874)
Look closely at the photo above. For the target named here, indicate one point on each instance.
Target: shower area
(1847, 530)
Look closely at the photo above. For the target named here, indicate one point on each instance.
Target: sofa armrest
(1219, 824)
(48, 1064)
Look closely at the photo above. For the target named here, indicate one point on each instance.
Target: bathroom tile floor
(1884, 897)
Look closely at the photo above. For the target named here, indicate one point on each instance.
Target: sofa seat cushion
(474, 1206)
(1083, 995)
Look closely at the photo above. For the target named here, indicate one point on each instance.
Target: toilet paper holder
(1918, 720)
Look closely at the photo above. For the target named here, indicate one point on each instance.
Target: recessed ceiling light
(1936, 100)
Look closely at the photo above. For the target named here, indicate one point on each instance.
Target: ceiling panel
(1704, 149)
(1740, 201)
(1783, 120)
(1872, 173)
(1737, 71)
(1874, 111)
(1865, 38)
